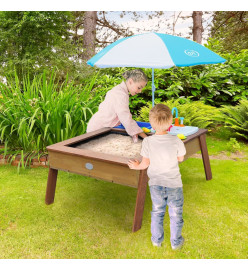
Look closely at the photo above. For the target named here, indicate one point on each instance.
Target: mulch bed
(223, 156)
(42, 162)
(34, 162)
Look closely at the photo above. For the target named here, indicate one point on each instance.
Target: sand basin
(114, 144)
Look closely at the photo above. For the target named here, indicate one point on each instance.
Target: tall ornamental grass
(42, 112)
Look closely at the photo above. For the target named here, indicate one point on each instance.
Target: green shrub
(42, 112)
(195, 113)
(235, 118)
(216, 85)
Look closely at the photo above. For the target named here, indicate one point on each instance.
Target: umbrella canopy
(154, 50)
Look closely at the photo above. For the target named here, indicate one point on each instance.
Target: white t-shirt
(163, 150)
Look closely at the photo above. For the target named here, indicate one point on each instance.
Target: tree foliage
(231, 29)
(31, 41)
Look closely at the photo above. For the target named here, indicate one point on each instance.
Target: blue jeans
(173, 197)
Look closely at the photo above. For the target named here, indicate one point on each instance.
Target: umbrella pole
(153, 87)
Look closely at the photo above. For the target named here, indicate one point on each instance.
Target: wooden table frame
(66, 158)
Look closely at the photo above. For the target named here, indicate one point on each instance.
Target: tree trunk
(89, 36)
(197, 26)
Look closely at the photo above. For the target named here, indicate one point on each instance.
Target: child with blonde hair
(161, 153)
(114, 110)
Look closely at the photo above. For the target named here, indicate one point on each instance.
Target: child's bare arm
(136, 165)
(180, 159)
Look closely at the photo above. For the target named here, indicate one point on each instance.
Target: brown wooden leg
(140, 200)
(205, 157)
(51, 185)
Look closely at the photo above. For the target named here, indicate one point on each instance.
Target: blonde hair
(136, 75)
(160, 117)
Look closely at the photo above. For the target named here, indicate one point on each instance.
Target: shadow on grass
(109, 204)
(104, 202)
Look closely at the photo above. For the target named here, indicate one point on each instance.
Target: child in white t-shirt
(161, 153)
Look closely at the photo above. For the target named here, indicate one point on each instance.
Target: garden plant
(43, 109)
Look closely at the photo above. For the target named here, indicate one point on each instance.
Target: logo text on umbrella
(192, 53)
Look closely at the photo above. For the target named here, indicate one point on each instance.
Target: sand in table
(114, 144)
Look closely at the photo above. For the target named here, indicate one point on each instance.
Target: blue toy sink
(187, 130)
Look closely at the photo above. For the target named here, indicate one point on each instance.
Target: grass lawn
(93, 219)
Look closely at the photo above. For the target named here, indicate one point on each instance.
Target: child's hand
(133, 164)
